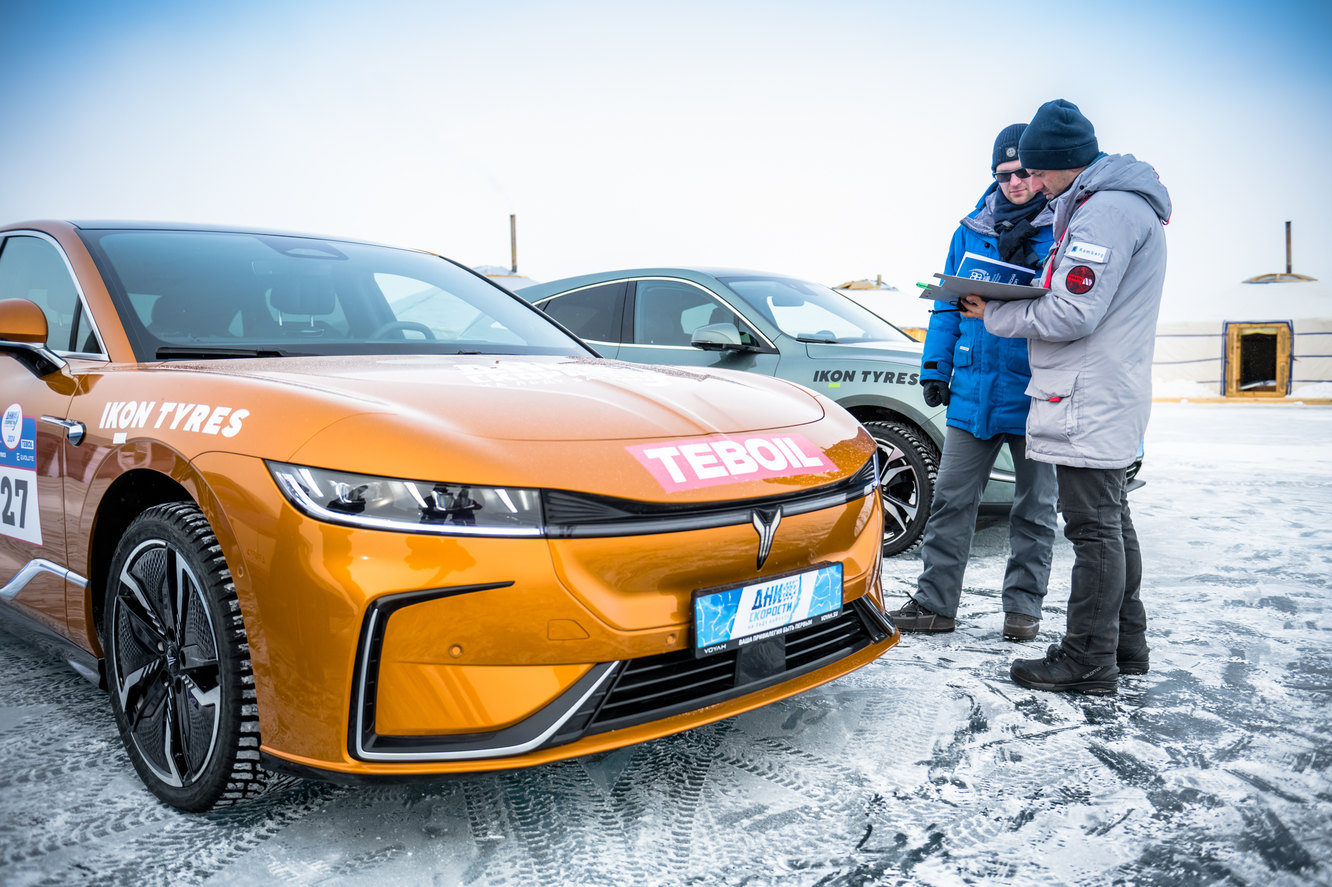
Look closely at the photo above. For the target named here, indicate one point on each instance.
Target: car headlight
(409, 506)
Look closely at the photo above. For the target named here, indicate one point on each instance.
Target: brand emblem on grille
(766, 521)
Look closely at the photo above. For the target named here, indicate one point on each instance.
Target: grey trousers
(963, 472)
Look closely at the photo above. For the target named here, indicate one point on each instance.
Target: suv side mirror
(23, 334)
(719, 337)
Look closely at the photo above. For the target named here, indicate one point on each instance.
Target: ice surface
(1182, 388)
(1170, 389)
(927, 767)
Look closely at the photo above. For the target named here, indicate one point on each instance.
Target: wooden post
(1288, 247)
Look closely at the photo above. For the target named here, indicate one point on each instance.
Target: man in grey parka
(1090, 343)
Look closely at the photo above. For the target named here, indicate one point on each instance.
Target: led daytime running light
(410, 506)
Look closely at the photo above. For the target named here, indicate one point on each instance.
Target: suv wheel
(908, 465)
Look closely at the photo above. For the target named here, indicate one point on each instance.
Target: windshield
(223, 294)
(813, 313)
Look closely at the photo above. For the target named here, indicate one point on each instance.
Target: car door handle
(73, 430)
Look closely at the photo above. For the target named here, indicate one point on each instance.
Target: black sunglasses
(1003, 177)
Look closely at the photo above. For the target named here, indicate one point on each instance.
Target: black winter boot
(1019, 627)
(914, 617)
(1057, 672)
(1133, 662)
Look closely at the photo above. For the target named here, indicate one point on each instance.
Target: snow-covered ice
(927, 767)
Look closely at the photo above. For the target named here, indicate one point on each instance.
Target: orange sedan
(315, 507)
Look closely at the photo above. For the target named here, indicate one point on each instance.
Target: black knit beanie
(1006, 145)
(1058, 137)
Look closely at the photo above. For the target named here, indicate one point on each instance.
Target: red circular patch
(1080, 279)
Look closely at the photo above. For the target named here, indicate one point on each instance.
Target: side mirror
(23, 334)
(22, 321)
(718, 337)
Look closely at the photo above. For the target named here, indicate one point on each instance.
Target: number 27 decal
(19, 515)
(13, 492)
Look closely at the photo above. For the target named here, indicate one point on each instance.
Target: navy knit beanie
(1058, 137)
(1006, 145)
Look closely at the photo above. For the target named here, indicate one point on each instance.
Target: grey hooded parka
(1091, 338)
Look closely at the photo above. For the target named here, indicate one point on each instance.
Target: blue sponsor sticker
(732, 617)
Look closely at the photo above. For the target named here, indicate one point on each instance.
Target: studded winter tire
(908, 465)
(178, 666)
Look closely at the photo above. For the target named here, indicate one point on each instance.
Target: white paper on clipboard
(950, 288)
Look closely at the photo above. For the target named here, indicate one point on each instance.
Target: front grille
(671, 683)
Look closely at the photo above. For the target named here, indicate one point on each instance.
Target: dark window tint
(33, 269)
(666, 312)
(593, 313)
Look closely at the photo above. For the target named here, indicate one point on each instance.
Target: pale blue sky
(830, 140)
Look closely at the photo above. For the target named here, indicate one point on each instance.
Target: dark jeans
(1105, 612)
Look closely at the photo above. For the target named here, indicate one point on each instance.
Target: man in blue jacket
(1091, 340)
(983, 379)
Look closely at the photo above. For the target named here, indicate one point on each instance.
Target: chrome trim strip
(768, 347)
(509, 741)
(607, 670)
(78, 288)
(666, 348)
(34, 568)
(767, 343)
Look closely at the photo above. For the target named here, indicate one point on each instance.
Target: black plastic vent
(660, 686)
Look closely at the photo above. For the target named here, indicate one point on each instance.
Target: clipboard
(951, 288)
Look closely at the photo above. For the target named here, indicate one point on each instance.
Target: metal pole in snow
(513, 240)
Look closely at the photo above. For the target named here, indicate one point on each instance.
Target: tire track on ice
(186, 849)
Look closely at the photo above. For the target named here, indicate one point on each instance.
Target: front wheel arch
(908, 467)
(129, 496)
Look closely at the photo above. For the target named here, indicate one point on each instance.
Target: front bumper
(381, 654)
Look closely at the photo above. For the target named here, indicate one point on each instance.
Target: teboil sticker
(710, 461)
(20, 517)
(1080, 279)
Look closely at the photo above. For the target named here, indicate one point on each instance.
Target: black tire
(178, 663)
(908, 465)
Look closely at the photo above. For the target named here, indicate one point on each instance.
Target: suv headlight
(409, 506)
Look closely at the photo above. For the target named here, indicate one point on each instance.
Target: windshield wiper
(817, 340)
(182, 352)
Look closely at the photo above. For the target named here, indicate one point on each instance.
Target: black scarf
(1012, 222)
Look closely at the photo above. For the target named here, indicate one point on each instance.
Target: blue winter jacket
(987, 375)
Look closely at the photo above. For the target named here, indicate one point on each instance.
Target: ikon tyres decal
(200, 418)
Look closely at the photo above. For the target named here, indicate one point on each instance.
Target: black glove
(936, 392)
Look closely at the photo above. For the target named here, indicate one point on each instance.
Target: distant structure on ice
(1266, 338)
